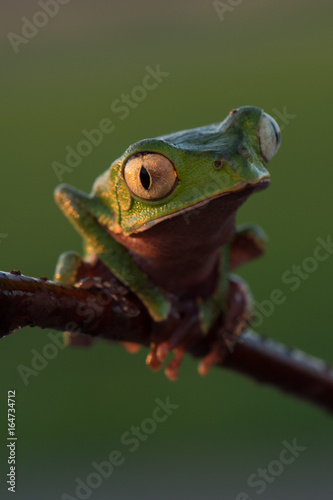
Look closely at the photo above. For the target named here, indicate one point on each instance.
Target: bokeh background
(275, 55)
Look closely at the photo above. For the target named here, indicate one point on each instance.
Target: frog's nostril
(220, 163)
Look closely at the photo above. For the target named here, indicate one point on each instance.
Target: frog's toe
(152, 360)
(172, 369)
(215, 356)
(67, 268)
(131, 347)
(158, 354)
(163, 350)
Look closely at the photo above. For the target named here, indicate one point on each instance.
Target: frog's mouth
(225, 202)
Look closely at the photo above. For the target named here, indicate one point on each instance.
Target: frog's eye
(150, 176)
(270, 137)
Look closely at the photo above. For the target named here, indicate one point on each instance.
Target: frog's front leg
(236, 318)
(87, 214)
(72, 268)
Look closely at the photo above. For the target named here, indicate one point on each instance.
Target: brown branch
(111, 311)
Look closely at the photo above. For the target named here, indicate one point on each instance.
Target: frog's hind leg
(236, 318)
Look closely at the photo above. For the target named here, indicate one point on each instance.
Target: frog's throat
(258, 186)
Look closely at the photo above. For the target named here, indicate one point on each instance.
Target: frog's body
(162, 219)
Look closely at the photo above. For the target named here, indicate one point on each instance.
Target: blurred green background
(275, 55)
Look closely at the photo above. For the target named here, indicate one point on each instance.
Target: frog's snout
(269, 136)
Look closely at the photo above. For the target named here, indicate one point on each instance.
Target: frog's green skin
(185, 243)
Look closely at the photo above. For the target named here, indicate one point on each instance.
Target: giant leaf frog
(161, 219)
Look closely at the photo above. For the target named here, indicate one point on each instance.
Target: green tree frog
(161, 220)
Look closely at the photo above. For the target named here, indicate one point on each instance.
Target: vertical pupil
(144, 178)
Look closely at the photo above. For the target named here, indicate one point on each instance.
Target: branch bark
(112, 312)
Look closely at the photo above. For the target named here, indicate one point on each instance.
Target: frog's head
(157, 179)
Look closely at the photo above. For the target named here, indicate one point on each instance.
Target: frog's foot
(72, 269)
(157, 355)
(236, 320)
(79, 339)
(177, 343)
